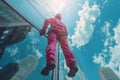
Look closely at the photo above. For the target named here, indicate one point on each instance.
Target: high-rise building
(7, 72)
(13, 28)
(106, 73)
(19, 71)
(26, 66)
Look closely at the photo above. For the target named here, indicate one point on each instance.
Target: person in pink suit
(57, 32)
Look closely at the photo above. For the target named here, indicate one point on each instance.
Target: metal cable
(39, 3)
(58, 61)
(35, 8)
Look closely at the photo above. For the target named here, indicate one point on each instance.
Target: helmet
(58, 16)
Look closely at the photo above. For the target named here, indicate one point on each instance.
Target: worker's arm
(46, 23)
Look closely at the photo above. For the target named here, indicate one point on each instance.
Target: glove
(42, 32)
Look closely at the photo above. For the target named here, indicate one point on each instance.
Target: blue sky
(94, 34)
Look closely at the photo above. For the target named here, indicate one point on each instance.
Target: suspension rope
(58, 60)
(35, 8)
(55, 72)
(43, 5)
(52, 12)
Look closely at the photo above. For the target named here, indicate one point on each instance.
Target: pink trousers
(51, 50)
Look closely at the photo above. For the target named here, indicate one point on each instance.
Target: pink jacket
(56, 26)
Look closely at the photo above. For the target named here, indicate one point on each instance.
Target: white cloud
(105, 2)
(117, 33)
(84, 28)
(33, 38)
(38, 54)
(12, 51)
(112, 51)
(99, 60)
(105, 29)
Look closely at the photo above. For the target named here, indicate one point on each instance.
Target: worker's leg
(70, 60)
(50, 54)
(51, 48)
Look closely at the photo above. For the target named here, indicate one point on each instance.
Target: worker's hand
(42, 32)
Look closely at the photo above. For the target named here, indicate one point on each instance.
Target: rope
(58, 61)
(35, 8)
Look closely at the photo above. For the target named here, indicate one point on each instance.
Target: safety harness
(58, 36)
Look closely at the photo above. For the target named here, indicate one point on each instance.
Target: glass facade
(106, 73)
(35, 12)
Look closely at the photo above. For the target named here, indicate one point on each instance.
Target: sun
(57, 5)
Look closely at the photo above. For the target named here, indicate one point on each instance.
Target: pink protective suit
(58, 32)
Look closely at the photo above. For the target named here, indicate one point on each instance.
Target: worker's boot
(73, 70)
(47, 69)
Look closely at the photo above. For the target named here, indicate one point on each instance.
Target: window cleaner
(57, 32)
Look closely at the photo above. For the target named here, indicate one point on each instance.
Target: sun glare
(57, 5)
